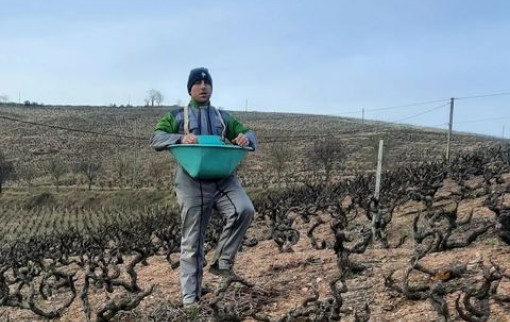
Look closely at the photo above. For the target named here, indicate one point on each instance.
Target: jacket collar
(195, 104)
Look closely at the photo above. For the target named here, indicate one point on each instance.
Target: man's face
(201, 92)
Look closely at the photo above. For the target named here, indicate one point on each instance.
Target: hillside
(434, 247)
(115, 141)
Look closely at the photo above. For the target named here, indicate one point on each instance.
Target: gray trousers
(197, 199)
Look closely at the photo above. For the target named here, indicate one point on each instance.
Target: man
(197, 198)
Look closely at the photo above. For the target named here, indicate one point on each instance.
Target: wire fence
(126, 136)
(501, 116)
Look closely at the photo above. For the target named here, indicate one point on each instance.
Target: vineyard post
(377, 183)
(450, 125)
(379, 170)
(133, 185)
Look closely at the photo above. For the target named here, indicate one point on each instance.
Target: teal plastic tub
(211, 158)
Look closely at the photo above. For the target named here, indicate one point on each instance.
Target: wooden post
(379, 170)
(135, 156)
(375, 216)
(450, 126)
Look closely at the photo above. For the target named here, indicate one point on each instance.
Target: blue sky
(316, 57)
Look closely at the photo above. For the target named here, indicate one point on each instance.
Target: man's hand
(189, 139)
(241, 140)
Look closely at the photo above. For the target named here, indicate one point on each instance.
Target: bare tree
(7, 171)
(279, 154)
(90, 169)
(91, 159)
(4, 98)
(325, 154)
(121, 169)
(154, 97)
(57, 168)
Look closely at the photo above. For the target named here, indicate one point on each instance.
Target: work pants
(197, 199)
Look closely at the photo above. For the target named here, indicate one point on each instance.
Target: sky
(398, 60)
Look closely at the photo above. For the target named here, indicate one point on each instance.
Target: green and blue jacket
(202, 120)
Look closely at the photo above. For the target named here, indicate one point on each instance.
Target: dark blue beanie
(198, 74)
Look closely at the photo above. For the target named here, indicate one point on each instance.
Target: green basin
(211, 158)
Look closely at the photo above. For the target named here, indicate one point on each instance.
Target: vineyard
(433, 247)
(107, 149)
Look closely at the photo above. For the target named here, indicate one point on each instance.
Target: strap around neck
(186, 121)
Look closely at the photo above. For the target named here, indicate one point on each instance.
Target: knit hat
(198, 74)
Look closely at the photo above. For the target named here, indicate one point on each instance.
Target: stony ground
(282, 280)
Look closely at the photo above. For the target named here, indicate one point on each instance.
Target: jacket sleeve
(165, 133)
(234, 128)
